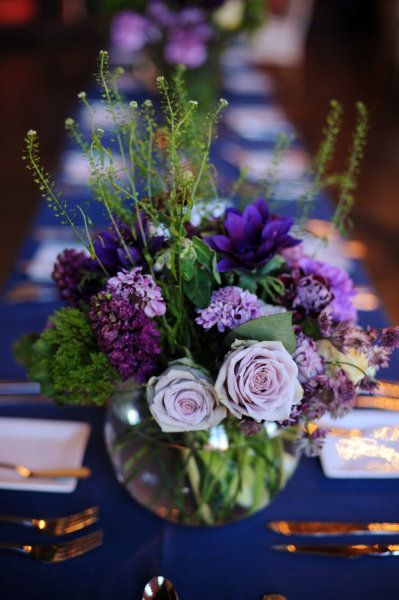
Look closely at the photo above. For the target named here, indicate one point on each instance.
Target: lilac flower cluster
(186, 32)
(126, 335)
(76, 276)
(230, 306)
(139, 289)
(252, 238)
(309, 362)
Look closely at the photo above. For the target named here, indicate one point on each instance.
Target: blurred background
(316, 50)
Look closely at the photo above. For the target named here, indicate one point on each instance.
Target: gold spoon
(79, 473)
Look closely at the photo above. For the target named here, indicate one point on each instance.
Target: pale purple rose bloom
(131, 31)
(184, 399)
(138, 289)
(259, 380)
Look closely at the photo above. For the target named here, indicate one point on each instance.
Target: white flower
(183, 399)
(355, 364)
(229, 16)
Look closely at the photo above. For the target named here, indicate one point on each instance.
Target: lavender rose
(183, 399)
(259, 380)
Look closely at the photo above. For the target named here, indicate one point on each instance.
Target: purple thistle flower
(390, 337)
(309, 362)
(379, 356)
(324, 321)
(115, 255)
(344, 392)
(131, 31)
(311, 443)
(252, 238)
(126, 335)
(138, 289)
(230, 306)
(69, 273)
(340, 284)
(368, 385)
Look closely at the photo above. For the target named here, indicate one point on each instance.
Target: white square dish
(41, 444)
(372, 452)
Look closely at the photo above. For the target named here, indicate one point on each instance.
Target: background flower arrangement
(183, 33)
(211, 323)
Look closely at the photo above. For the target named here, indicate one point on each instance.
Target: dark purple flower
(312, 442)
(126, 335)
(252, 238)
(390, 337)
(184, 47)
(116, 256)
(250, 427)
(340, 284)
(368, 385)
(76, 276)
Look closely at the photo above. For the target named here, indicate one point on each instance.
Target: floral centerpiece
(213, 332)
(182, 33)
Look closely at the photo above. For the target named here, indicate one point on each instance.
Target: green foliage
(348, 182)
(67, 363)
(22, 349)
(272, 328)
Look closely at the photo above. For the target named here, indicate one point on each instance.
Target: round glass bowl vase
(196, 478)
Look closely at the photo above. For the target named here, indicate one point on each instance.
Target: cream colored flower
(353, 363)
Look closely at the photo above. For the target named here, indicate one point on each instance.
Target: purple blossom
(368, 385)
(309, 362)
(115, 255)
(344, 392)
(230, 306)
(250, 427)
(185, 48)
(390, 337)
(252, 238)
(131, 31)
(311, 443)
(138, 289)
(340, 284)
(312, 294)
(76, 276)
(126, 335)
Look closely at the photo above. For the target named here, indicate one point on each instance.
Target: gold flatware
(56, 525)
(79, 472)
(344, 551)
(378, 402)
(58, 552)
(159, 588)
(388, 388)
(274, 597)
(315, 528)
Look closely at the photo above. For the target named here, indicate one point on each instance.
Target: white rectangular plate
(374, 455)
(41, 444)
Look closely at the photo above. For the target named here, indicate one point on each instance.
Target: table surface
(221, 563)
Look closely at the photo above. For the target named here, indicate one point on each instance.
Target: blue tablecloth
(223, 563)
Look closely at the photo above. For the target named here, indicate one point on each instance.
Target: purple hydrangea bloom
(139, 289)
(131, 31)
(252, 238)
(341, 286)
(230, 306)
(126, 335)
(309, 362)
(69, 273)
(115, 256)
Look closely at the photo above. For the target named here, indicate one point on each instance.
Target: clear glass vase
(197, 478)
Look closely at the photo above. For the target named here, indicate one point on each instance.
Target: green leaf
(248, 282)
(274, 264)
(198, 289)
(272, 328)
(206, 257)
(188, 269)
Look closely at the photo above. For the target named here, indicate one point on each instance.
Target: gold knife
(79, 472)
(320, 528)
(345, 551)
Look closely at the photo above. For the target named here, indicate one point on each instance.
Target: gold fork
(60, 551)
(57, 525)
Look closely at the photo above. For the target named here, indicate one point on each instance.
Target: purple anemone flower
(131, 31)
(252, 238)
(116, 256)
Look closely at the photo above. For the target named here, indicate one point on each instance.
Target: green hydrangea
(66, 361)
